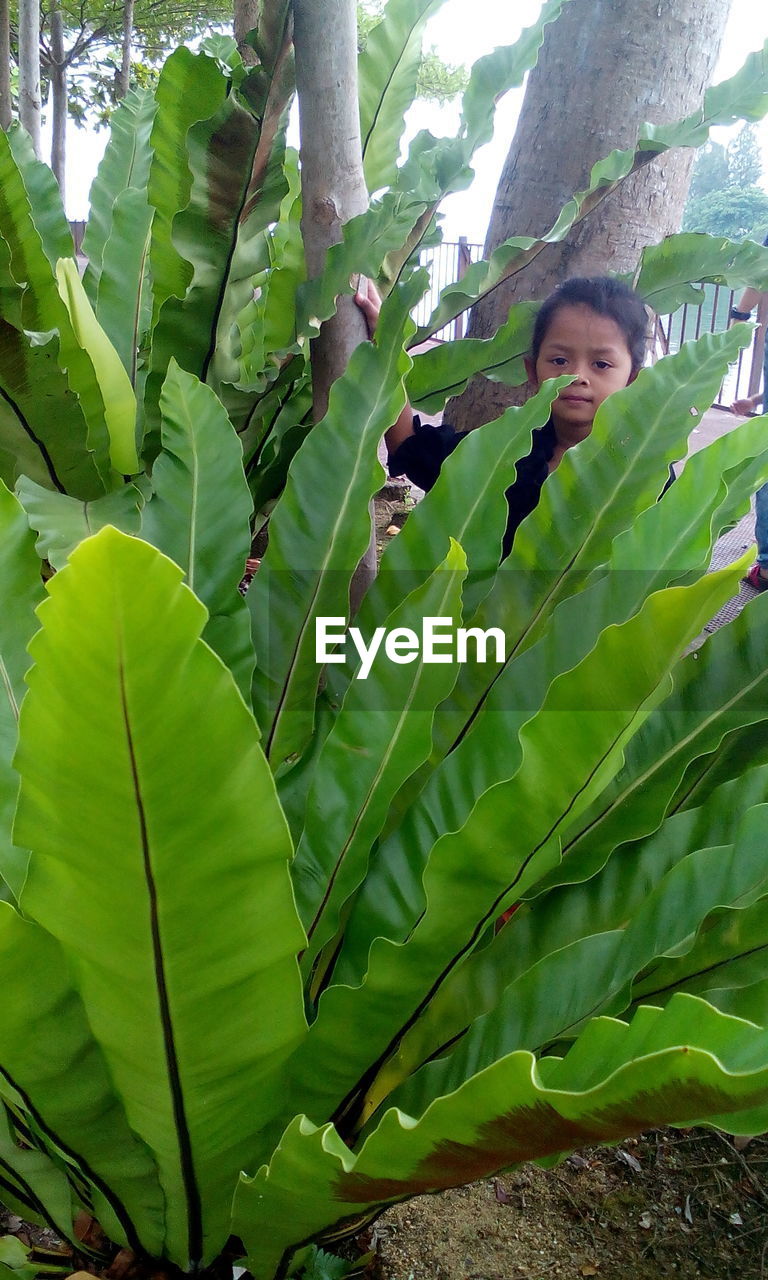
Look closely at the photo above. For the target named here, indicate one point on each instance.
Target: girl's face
(594, 348)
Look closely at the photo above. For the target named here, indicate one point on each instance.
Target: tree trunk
(6, 102)
(246, 15)
(29, 70)
(124, 77)
(59, 98)
(605, 67)
(332, 182)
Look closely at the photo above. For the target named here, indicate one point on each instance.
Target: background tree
(737, 213)
(710, 172)
(57, 71)
(745, 165)
(605, 67)
(437, 80)
(124, 79)
(332, 182)
(246, 14)
(726, 198)
(30, 108)
(84, 52)
(6, 101)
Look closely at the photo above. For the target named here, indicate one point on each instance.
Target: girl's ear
(530, 369)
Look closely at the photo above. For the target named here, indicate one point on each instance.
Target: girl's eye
(603, 364)
(558, 360)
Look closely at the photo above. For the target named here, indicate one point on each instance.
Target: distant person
(757, 578)
(594, 328)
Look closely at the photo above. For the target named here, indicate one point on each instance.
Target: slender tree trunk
(605, 67)
(124, 78)
(246, 15)
(30, 109)
(59, 97)
(332, 182)
(6, 103)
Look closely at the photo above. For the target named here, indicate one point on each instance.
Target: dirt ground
(681, 1204)
(670, 1203)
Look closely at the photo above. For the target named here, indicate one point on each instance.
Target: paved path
(733, 544)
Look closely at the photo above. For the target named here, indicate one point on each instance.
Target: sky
(461, 31)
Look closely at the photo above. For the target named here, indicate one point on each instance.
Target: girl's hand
(368, 300)
(745, 406)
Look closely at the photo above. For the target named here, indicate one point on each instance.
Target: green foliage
(710, 172)
(726, 197)
(737, 212)
(255, 980)
(745, 164)
(14, 1259)
(92, 34)
(326, 1266)
(436, 80)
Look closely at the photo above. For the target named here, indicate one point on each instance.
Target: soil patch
(677, 1204)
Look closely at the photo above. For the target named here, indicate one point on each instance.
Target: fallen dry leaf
(501, 1195)
(629, 1159)
(392, 529)
(578, 1162)
(88, 1230)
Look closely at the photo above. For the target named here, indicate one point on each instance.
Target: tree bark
(332, 182)
(246, 15)
(124, 77)
(59, 99)
(30, 109)
(6, 101)
(605, 67)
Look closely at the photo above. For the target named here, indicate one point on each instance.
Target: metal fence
(744, 378)
(448, 262)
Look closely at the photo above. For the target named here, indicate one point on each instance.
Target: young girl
(593, 328)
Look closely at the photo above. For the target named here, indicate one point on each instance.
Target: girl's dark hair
(607, 297)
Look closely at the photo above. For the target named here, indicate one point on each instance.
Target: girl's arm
(747, 302)
(369, 302)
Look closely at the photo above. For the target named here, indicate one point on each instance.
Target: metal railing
(744, 378)
(448, 262)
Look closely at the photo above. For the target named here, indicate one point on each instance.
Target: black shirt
(421, 455)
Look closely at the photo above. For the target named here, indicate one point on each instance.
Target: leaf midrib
(189, 1180)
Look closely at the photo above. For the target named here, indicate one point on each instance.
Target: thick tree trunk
(246, 14)
(59, 98)
(605, 67)
(124, 77)
(6, 103)
(332, 182)
(29, 70)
